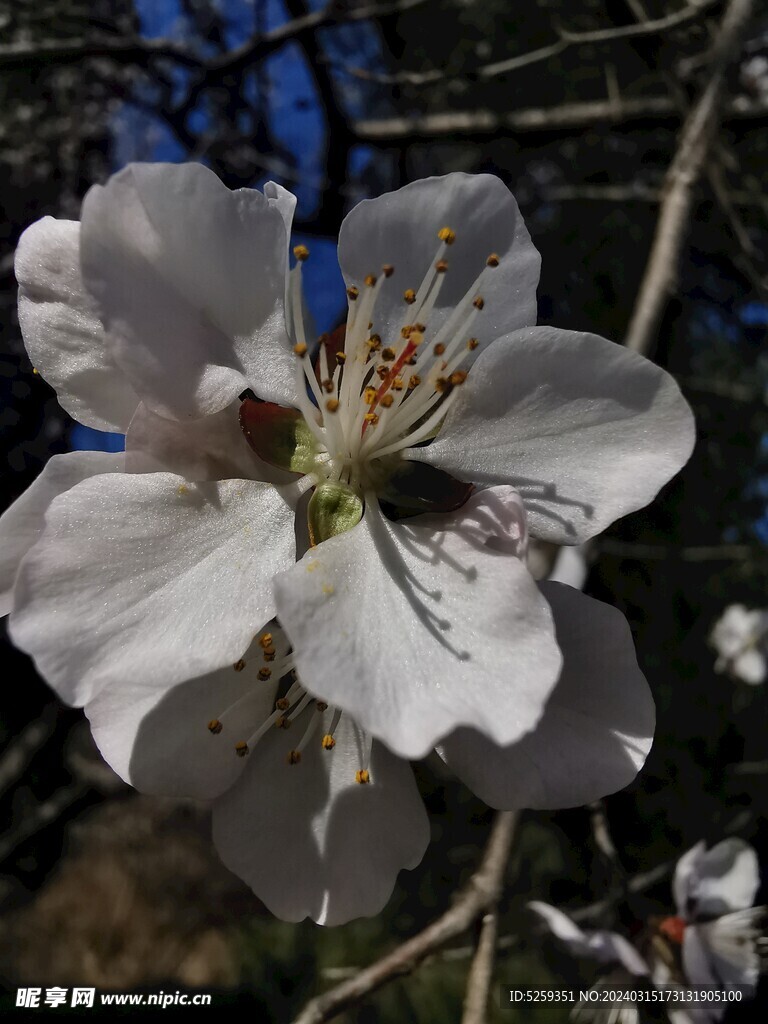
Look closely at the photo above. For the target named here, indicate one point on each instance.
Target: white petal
(586, 430)
(62, 330)
(604, 946)
(189, 279)
(401, 228)
(211, 448)
(157, 739)
(718, 881)
(308, 839)
(562, 927)
(22, 524)
(416, 628)
(725, 950)
(146, 576)
(750, 667)
(597, 727)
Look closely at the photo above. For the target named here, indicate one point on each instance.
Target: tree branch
(481, 971)
(696, 139)
(480, 894)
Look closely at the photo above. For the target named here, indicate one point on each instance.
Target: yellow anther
(382, 371)
(417, 335)
(282, 704)
(386, 400)
(372, 418)
(442, 385)
(301, 252)
(283, 722)
(182, 489)
(300, 349)
(406, 330)
(215, 726)
(328, 742)
(397, 384)
(241, 749)
(439, 349)
(294, 756)
(321, 705)
(410, 296)
(458, 377)
(265, 673)
(411, 360)
(35, 371)
(388, 354)
(239, 665)
(492, 261)
(472, 344)
(332, 404)
(362, 776)
(446, 235)
(479, 302)
(269, 654)
(327, 386)
(413, 381)
(352, 293)
(369, 395)
(265, 640)
(441, 266)
(387, 270)
(374, 342)
(370, 281)
(341, 358)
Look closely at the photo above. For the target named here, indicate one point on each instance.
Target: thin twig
(697, 137)
(481, 892)
(481, 971)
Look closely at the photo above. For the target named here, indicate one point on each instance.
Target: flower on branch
(310, 565)
(740, 637)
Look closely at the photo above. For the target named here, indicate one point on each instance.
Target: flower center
(292, 707)
(371, 404)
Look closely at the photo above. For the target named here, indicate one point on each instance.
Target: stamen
(352, 293)
(410, 296)
(215, 726)
(441, 266)
(370, 281)
(446, 235)
(362, 776)
(294, 756)
(300, 349)
(492, 261)
(265, 673)
(332, 404)
(472, 344)
(301, 252)
(265, 640)
(479, 302)
(387, 270)
(239, 665)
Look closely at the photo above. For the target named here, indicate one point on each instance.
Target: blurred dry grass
(141, 898)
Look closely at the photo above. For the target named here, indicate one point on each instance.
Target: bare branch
(481, 124)
(696, 140)
(481, 971)
(481, 893)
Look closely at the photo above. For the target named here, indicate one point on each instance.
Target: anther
(479, 302)
(300, 349)
(410, 296)
(439, 349)
(382, 372)
(269, 654)
(413, 381)
(341, 358)
(265, 673)
(405, 331)
(215, 726)
(387, 270)
(239, 665)
(241, 748)
(397, 384)
(352, 293)
(265, 640)
(386, 401)
(441, 266)
(283, 722)
(442, 386)
(369, 395)
(388, 354)
(446, 235)
(327, 386)
(472, 344)
(374, 342)
(294, 756)
(458, 377)
(328, 742)
(372, 418)
(332, 404)
(321, 705)
(301, 252)
(282, 704)
(362, 776)
(492, 261)
(370, 281)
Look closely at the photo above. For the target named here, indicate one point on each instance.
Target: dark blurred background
(577, 105)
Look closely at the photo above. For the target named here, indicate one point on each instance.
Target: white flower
(739, 637)
(604, 946)
(722, 934)
(136, 592)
